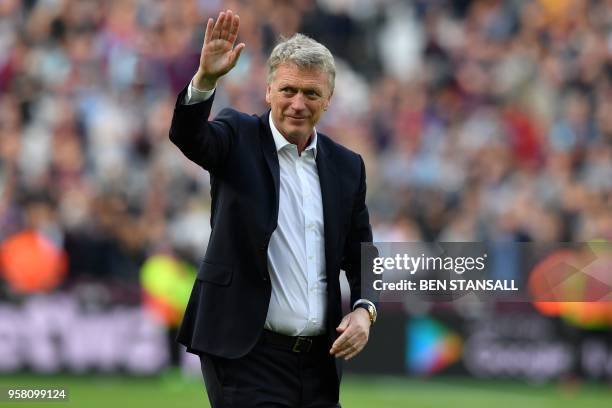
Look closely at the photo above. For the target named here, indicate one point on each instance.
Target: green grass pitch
(172, 390)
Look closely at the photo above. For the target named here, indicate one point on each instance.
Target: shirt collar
(281, 142)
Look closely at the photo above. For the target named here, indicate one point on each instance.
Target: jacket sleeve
(206, 143)
(358, 258)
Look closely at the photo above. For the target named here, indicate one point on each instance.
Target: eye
(287, 90)
(312, 94)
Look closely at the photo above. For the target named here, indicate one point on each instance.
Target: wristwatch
(369, 307)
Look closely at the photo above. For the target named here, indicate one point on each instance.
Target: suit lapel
(330, 192)
(271, 157)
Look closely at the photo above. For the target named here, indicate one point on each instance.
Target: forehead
(291, 74)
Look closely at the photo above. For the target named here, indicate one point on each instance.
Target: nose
(297, 103)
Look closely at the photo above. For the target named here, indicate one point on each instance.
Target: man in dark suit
(288, 212)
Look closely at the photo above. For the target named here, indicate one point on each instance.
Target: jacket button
(265, 278)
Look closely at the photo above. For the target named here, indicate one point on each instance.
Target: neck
(300, 142)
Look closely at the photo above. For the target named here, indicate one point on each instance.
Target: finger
(236, 53)
(227, 24)
(339, 353)
(360, 343)
(353, 354)
(348, 351)
(355, 345)
(337, 346)
(233, 33)
(355, 339)
(344, 350)
(218, 26)
(350, 339)
(208, 32)
(343, 324)
(340, 343)
(343, 354)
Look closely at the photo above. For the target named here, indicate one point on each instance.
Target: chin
(296, 133)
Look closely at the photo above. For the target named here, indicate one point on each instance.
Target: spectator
(482, 119)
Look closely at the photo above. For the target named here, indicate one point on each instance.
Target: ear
(328, 101)
(268, 91)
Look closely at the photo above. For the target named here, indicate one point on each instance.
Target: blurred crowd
(477, 119)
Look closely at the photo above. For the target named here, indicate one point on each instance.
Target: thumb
(343, 324)
(236, 53)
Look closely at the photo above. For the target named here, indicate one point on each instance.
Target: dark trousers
(272, 376)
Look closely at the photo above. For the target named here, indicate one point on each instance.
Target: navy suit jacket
(228, 305)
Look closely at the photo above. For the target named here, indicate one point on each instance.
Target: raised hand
(218, 55)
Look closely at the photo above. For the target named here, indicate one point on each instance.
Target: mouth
(297, 118)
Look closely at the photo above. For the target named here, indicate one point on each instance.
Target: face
(297, 98)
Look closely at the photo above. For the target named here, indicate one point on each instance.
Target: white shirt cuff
(195, 95)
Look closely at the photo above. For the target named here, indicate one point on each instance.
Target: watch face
(372, 313)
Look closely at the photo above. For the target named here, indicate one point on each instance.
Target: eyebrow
(304, 89)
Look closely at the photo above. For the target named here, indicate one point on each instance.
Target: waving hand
(218, 55)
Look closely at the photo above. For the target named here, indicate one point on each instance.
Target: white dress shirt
(296, 254)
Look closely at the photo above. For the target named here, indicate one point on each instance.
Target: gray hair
(304, 52)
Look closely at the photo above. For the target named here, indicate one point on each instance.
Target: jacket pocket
(219, 274)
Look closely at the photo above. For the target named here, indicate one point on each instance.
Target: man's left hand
(355, 331)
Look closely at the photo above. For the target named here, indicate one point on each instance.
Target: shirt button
(310, 257)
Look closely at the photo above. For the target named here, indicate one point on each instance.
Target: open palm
(219, 55)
